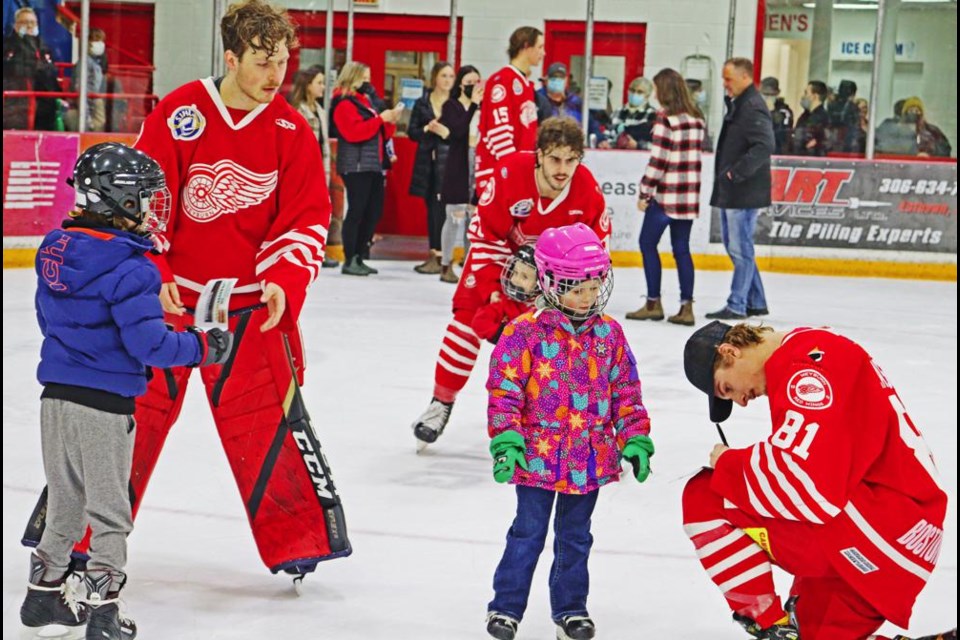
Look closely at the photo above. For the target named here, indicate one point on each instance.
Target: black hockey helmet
(510, 281)
(111, 179)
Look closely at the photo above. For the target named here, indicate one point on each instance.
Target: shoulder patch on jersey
(224, 187)
(517, 86)
(488, 192)
(810, 389)
(528, 113)
(186, 123)
(498, 93)
(286, 124)
(521, 208)
(471, 281)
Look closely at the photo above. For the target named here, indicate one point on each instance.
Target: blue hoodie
(99, 311)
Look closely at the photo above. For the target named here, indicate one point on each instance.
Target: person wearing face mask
(844, 118)
(633, 123)
(781, 113)
(809, 136)
(930, 139)
(96, 83)
(28, 66)
(561, 101)
(702, 101)
(458, 115)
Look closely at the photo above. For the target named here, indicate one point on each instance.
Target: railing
(32, 96)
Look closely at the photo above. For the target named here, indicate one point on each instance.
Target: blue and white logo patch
(186, 123)
(521, 208)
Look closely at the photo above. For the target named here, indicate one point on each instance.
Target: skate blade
(298, 585)
(53, 632)
(421, 446)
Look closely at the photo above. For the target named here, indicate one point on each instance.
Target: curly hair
(256, 19)
(560, 132)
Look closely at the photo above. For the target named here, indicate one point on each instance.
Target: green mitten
(638, 451)
(508, 450)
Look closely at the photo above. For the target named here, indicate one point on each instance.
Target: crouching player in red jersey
(528, 193)
(249, 202)
(844, 494)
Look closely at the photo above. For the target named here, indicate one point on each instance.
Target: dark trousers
(569, 579)
(655, 222)
(436, 216)
(365, 207)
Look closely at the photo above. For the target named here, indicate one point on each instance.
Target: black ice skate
(54, 602)
(501, 626)
(576, 628)
(105, 620)
(431, 423)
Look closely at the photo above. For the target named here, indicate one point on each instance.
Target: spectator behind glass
(844, 118)
(307, 98)
(930, 139)
(670, 194)
(894, 136)
(362, 157)
(781, 113)
(702, 100)
(459, 112)
(809, 136)
(860, 140)
(96, 83)
(633, 124)
(431, 159)
(28, 66)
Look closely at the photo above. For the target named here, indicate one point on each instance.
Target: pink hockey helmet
(567, 257)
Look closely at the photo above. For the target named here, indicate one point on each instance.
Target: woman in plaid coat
(670, 193)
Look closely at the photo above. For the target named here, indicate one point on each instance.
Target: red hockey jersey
(846, 457)
(508, 120)
(511, 209)
(250, 199)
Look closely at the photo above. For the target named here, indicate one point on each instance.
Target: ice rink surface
(428, 530)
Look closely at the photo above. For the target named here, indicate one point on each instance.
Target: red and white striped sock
(458, 354)
(740, 567)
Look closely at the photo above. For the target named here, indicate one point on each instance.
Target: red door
(618, 50)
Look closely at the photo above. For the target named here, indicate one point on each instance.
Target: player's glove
(508, 451)
(638, 451)
(215, 345)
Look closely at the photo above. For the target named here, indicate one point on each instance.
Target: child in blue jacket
(99, 310)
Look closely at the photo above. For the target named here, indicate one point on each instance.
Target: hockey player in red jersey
(251, 203)
(508, 113)
(528, 194)
(844, 494)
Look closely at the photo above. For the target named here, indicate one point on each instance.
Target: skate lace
(436, 414)
(95, 600)
(70, 592)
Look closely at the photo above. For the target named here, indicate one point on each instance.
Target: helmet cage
(523, 256)
(554, 288)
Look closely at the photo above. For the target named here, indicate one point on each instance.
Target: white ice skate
(431, 423)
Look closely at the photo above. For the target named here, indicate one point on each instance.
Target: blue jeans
(655, 222)
(569, 579)
(746, 290)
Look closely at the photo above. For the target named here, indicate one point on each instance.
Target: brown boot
(685, 315)
(430, 266)
(653, 310)
(447, 274)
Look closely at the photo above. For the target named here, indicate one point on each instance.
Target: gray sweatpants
(87, 454)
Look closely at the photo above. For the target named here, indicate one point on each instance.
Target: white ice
(428, 530)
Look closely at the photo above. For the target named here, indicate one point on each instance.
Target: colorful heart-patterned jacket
(572, 393)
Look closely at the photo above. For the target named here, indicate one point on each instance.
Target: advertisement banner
(888, 206)
(35, 195)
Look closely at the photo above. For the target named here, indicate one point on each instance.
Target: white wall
(676, 28)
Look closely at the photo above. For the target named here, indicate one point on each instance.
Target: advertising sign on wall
(888, 206)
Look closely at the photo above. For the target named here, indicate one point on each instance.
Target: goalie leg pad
(291, 502)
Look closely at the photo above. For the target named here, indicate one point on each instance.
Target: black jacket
(812, 125)
(431, 158)
(746, 142)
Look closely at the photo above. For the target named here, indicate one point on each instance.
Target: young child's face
(581, 298)
(523, 277)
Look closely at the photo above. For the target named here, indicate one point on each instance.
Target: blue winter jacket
(99, 311)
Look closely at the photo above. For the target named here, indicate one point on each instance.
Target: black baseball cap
(699, 354)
